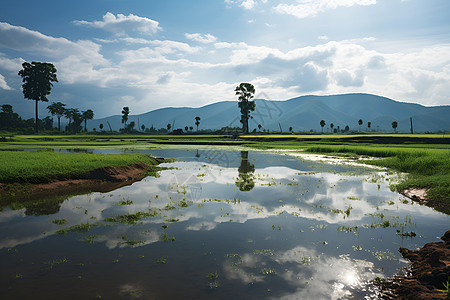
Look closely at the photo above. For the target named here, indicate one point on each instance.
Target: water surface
(217, 224)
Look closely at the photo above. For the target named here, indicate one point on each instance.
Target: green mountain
(302, 114)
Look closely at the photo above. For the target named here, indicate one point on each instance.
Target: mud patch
(103, 180)
(430, 269)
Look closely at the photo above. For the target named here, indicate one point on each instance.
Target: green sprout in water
(59, 221)
(214, 283)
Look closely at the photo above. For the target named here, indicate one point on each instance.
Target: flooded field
(217, 224)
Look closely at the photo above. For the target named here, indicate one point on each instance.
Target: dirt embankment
(103, 179)
(430, 269)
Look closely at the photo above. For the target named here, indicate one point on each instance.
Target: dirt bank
(103, 179)
(430, 268)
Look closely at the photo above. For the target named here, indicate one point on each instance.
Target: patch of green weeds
(59, 221)
(82, 228)
(213, 280)
(55, 262)
(166, 238)
(90, 239)
(126, 202)
(132, 219)
(268, 271)
(162, 260)
(172, 220)
(266, 252)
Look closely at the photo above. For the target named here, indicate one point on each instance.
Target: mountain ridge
(302, 113)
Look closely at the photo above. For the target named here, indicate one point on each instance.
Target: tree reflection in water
(246, 178)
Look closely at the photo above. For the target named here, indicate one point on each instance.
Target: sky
(151, 54)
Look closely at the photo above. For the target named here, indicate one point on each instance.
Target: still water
(217, 224)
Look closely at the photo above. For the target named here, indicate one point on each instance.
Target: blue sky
(153, 54)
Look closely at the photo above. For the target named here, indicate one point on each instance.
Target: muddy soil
(430, 268)
(103, 179)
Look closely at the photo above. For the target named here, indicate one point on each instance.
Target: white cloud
(310, 8)
(201, 38)
(248, 4)
(122, 24)
(3, 84)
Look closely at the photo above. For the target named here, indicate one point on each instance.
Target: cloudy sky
(152, 54)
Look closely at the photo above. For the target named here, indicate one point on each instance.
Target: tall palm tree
(360, 122)
(394, 125)
(125, 113)
(197, 121)
(87, 115)
(322, 123)
(245, 91)
(331, 126)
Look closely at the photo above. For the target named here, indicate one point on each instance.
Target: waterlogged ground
(217, 224)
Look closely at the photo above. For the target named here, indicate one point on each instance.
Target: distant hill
(302, 114)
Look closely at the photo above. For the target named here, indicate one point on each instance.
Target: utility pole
(412, 131)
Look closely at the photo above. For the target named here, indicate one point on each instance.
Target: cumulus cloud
(201, 38)
(311, 8)
(122, 24)
(3, 84)
(248, 4)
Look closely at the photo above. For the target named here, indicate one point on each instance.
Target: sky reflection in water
(272, 226)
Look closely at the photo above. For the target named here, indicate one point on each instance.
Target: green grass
(43, 166)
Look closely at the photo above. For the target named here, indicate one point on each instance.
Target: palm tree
(245, 91)
(186, 128)
(191, 128)
(290, 129)
(322, 123)
(87, 115)
(369, 124)
(197, 121)
(101, 126)
(259, 127)
(331, 126)
(360, 122)
(57, 109)
(143, 127)
(168, 127)
(125, 113)
(394, 125)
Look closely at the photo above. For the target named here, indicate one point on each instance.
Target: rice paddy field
(222, 219)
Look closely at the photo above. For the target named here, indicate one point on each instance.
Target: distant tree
(369, 124)
(191, 128)
(360, 122)
(87, 115)
(394, 125)
(347, 128)
(131, 126)
(331, 126)
(245, 91)
(197, 121)
(290, 129)
(75, 118)
(322, 123)
(101, 126)
(143, 127)
(37, 81)
(10, 119)
(186, 128)
(168, 127)
(125, 113)
(47, 123)
(57, 108)
(259, 127)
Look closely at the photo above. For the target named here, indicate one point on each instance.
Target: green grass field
(43, 166)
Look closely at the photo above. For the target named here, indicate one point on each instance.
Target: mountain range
(302, 114)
